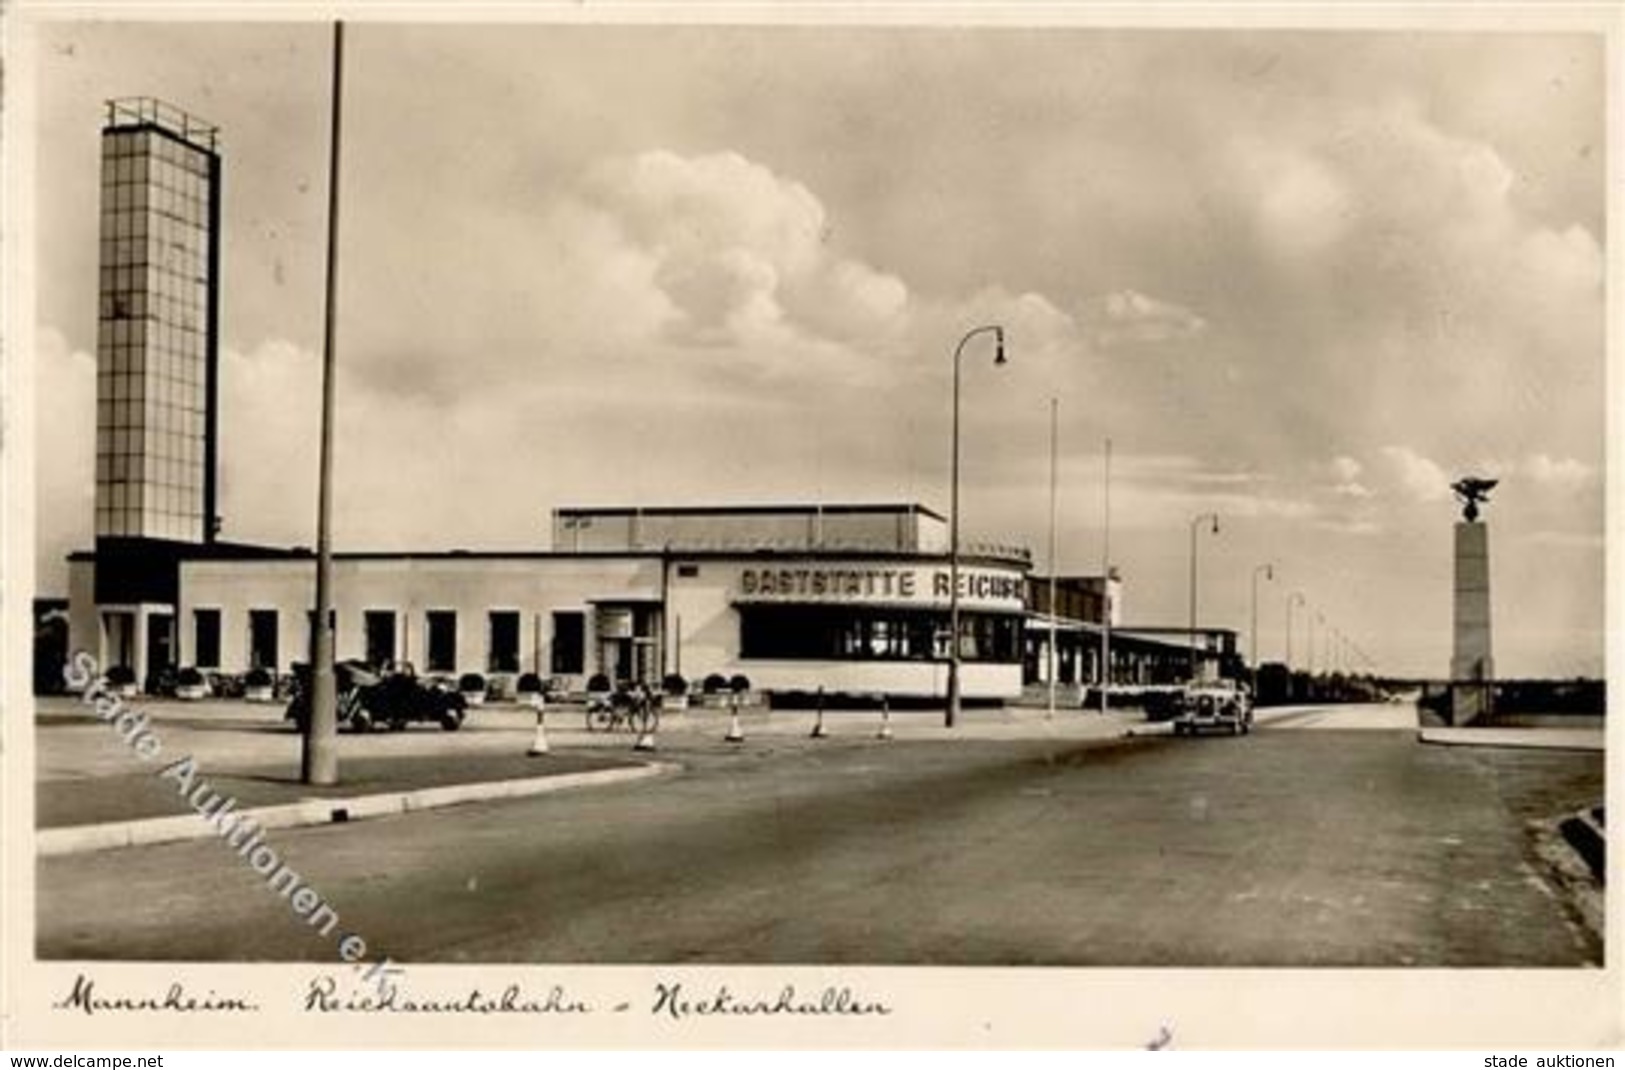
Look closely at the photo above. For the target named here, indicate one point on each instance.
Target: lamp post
(1268, 571)
(1295, 598)
(1106, 588)
(951, 717)
(1196, 522)
(1054, 451)
(1317, 615)
(319, 757)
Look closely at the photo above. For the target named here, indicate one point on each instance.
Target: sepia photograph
(693, 520)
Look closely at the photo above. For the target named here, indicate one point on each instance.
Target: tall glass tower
(157, 340)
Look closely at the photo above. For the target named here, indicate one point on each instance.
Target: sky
(1299, 279)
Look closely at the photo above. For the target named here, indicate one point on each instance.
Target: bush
(598, 683)
(714, 684)
(674, 684)
(120, 676)
(739, 684)
(471, 681)
(257, 677)
(529, 684)
(188, 677)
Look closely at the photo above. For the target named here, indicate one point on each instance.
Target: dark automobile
(1225, 704)
(393, 699)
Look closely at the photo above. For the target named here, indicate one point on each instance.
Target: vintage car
(393, 699)
(1225, 704)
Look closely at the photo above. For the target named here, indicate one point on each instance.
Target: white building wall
(410, 587)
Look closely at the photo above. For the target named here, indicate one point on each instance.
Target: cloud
(741, 253)
(1127, 317)
(65, 455)
(1566, 474)
(1416, 475)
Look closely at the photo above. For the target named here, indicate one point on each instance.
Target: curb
(83, 838)
(1531, 741)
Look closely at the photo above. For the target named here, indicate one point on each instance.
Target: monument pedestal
(1471, 666)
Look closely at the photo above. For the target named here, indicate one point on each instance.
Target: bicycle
(634, 710)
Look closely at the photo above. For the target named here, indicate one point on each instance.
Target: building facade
(157, 360)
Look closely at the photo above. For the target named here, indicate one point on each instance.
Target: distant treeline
(1577, 696)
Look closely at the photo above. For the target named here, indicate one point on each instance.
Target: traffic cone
(538, 744)
(735, 733)
(818, 726)
(885, 717)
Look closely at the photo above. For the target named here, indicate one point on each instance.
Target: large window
(262, 637)
(206, 638)
(442, 652)
(504, 652)
(379, 625)
(842, 633)
(569, 643)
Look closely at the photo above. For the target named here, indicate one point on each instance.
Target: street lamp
(1268, 571)
(952, 715)
(1296, 598)
(1196, 522)
(319, 758)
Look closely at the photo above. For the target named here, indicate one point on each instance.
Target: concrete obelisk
(1472, 666)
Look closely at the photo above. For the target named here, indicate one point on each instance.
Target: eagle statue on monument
(1472, 490)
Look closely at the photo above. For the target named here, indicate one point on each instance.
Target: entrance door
(160, 643)
(119, 629)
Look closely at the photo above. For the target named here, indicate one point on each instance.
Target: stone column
(1471, 665)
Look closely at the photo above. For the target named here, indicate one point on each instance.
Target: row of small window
(147, 402)
(184, 418)
(187, 233)
(139, 441)
(157, 369)
(172, 220)
(148, 337)
(142, 250)
(149, 374)
(839, 633)
(163, 280)
(133, 157)
(380, 639)
(186, 200)
(142, 496)
(146, 469)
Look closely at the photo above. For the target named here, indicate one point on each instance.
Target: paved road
(1287, 847)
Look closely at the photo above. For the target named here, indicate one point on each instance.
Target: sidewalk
(93, 794)
(1589, 739)
(97, 813)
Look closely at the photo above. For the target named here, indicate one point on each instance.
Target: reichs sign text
(928, 586)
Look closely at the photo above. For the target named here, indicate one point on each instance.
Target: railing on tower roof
(150, 111)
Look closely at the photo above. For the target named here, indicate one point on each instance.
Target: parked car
(1225, 704)
(392, 699)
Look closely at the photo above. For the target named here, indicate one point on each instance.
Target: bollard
(735, 734)
(885, 717)
(538, 744)
(818, 725)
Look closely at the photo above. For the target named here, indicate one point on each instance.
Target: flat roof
(757, 509)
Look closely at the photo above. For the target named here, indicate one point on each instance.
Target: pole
(320, 758)
(1196, 522)
(1054, 405)
(1106, 588)
(1269, 573)
(951, 716)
